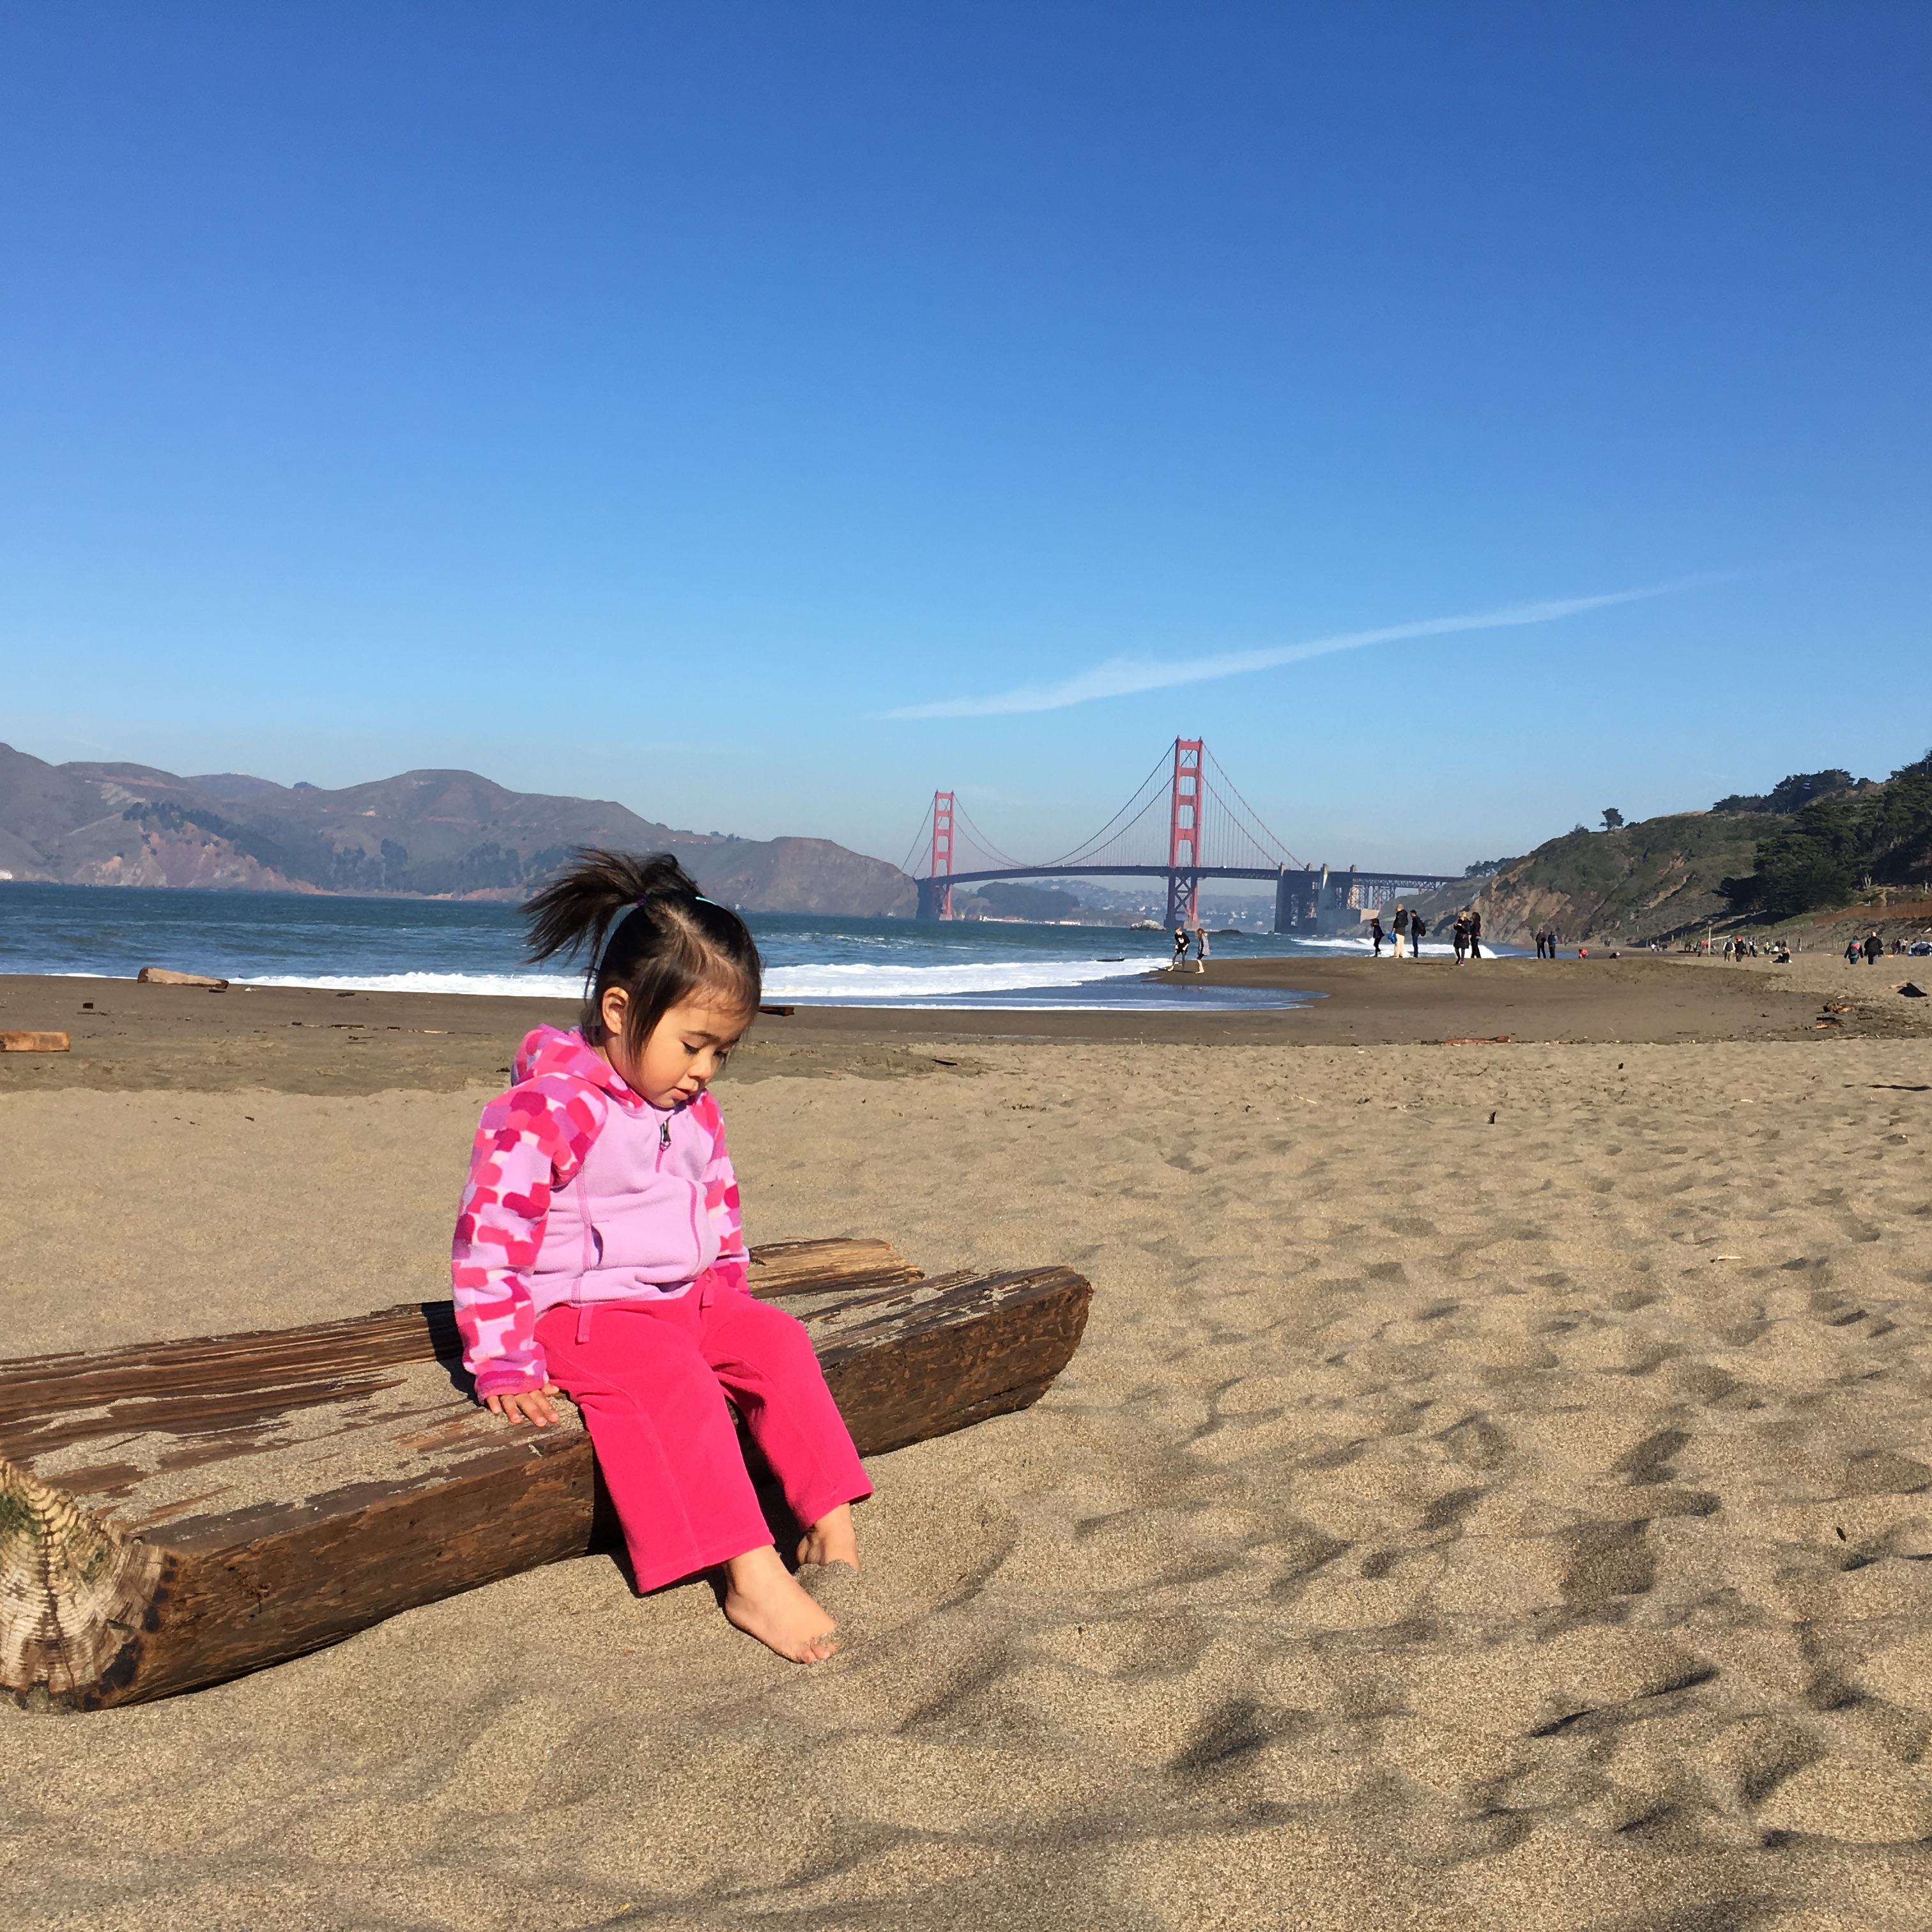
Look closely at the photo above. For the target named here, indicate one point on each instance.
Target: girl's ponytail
(669, 942)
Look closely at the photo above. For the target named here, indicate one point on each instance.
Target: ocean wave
(858, 984)
(864, 984)
(515, 986)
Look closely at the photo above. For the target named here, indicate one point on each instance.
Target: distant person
(1874, 948)
(1853, 953)
(1475, 934)
(1401, 928)
(1417, 927)
(1459, 936)
(1200, 945)
(1376, 934)
(613, 1125)
(1180, 948)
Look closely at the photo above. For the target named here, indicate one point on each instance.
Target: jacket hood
(550, 1050)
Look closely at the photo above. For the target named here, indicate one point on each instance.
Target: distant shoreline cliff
(422, 834)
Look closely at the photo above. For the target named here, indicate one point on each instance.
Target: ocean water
(287, 939)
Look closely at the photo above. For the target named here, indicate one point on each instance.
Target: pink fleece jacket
(581, 1191)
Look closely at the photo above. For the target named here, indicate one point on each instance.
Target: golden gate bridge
(1186, 822)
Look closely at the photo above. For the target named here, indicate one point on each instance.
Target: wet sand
(1495, 1488)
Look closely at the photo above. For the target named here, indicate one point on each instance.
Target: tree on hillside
(1612, 818)
(1840, 840)
(1790, 795)
(1793, 794)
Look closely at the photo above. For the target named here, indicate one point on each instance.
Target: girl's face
(686, 1049)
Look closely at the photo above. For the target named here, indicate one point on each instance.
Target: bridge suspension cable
(1245, 820)
(923, 836)
(981, 842)
(1151, 791)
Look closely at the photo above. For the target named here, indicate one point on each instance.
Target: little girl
(599, 1251)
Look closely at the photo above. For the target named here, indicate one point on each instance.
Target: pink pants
(651, 1377)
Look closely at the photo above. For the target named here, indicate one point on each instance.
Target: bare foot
(831, 1539)
(765, 1601)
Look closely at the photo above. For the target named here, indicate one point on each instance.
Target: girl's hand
(531, 1406)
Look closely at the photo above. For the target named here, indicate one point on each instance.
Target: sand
(1495, 1489)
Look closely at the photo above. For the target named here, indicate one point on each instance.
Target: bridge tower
(1184, 834)
(935, 889)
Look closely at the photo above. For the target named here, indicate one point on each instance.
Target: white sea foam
(860, 985)
(856, 984)
(517, 985)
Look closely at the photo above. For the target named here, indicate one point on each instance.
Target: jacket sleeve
(530, 1142)
(720, 1202)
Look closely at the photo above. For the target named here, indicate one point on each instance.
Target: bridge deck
(1417, 880)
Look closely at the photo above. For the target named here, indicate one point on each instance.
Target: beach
(1495, 1488)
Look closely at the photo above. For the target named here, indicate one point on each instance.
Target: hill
(1642, 881)
(1841, 844)
(441, 834)
(1816, 841)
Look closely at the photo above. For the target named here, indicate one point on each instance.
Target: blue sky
(727, 409)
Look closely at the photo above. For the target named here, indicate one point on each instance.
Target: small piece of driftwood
(177, 1514)
(33, 1042)
(160, 976)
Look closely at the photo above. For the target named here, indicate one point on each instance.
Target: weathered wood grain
(179, 1513)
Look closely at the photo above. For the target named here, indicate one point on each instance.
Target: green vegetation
(1792, 794)
(1644, 880)
(1839, 842)
(1004, 899)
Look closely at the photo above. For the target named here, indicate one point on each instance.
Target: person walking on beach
(1401, 928)
(1874, 948)
(599, 1252)
(1475, 934)
(1459, 936)
(1376, 935)
(1853, 953)
(1180, 948)
(1416, 929)
(1200, 947)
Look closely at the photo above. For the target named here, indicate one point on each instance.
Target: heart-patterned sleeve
(721, 1193)
(531, 1142)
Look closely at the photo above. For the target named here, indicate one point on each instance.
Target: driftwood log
(176, 1514)
(33, 1042)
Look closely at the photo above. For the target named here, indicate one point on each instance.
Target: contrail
(1119, 677)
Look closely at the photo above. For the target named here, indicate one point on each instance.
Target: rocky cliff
(446, 834)
(1640, 882)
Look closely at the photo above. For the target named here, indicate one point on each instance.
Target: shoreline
(305, 1040)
